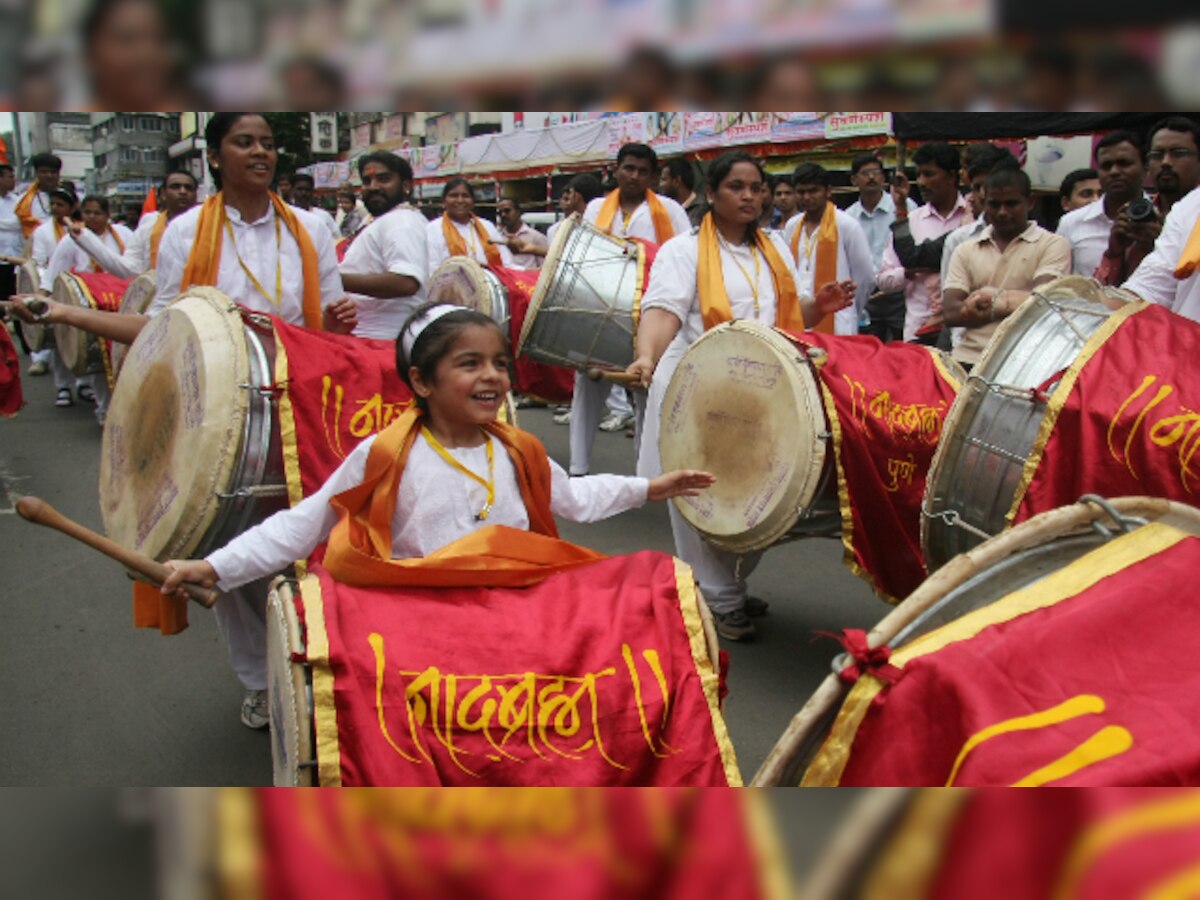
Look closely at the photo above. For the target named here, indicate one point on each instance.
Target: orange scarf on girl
(160, 225)
(458, 246)
(663, 231)
(359, 551)
(204, 261)
(825, 265)
(710, 281)
(24, 211)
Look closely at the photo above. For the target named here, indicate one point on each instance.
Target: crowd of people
(733, 243)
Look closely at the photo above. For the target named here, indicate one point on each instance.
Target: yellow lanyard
(278, 298)
(473, 240)
(625, 219)
(757, 271)
(489, 485)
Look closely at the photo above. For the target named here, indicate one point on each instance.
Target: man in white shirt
(177, 196)
(12, 240)
(520, 235)
(303, 188)
(385, 269)
(874, 211)
(636, 166)
(1164, 276)
(811, 184)
(1121, 164)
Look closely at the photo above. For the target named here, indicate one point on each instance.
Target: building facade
(131, 154)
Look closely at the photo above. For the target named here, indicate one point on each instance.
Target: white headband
(418, 325)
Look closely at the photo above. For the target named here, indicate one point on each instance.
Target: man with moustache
(1121, 163)
(875, 211)
(385, 269)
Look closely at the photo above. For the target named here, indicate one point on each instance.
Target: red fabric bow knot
(867, 660)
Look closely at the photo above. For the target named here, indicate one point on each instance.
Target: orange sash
(160, 225)
(710, 281)
(204, 261)
(458, 247)
(24, 212)
(663, 231)
(825, 265)
(359, 552)
(1189, 260)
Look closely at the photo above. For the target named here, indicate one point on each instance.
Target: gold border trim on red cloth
(830, 762)
(287, 435)
(689, 598)
(105, 343)
(775, 879)
(1059, 399)
(238, 843)
(325, 741)
(908, 863)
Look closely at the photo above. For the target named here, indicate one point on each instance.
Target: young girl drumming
(461, 471)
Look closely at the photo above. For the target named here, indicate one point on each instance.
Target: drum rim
(1062, 523)
(283, 620)
(144, 278)
(784, 512)
(74, 344)
(485, 281)
(202, 506)
(35, 334)
(963, 411)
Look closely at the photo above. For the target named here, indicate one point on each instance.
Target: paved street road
(87, 700)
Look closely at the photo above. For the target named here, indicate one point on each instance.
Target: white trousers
(242, 622)
(587, 408)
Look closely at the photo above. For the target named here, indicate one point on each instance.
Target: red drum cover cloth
(594, 677)
(553, 384)
(104, 292)
(11, 397)
(1125, 421)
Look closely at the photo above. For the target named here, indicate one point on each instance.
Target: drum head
(461, 281)
(745, 406)
(174, 430)
(136, 301)
(29, 282)
(287, 687)
(554, 255)
(72, 342)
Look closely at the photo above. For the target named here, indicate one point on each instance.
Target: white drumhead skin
(549, 269)
(140, 293)
(287, 694)
(29, 282)
(72, 342)
(460, 281)
(744, 405)
(174, 428)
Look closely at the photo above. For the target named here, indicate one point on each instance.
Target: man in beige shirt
(995, 272)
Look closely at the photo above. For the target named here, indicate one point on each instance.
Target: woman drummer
(726, 269)
(459, 232)
(268, 257)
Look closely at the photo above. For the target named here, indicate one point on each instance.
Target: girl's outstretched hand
(681, 483)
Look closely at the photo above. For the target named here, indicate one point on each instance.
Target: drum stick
(613, 375)
(40, 512)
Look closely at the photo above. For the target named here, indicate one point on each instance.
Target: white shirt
(394, 243)
(326, 219)
(255, 243)
(43, 243)
(853, 262)
(435, 506)
(641, 223)
(69, 256)
(877, 224)
(1087, 229)
(1155, 278)
(136, 258)
(439, 252)
(12, 239)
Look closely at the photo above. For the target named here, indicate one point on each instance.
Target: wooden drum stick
(612, 375)
(40, 512)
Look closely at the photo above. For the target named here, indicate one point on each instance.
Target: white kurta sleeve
(172, 257)
(858, 261)
(403, 246)
(435, 245)
(673, 278)
(327, 264)
(290, 534)
(1154, 279)
(590, 498)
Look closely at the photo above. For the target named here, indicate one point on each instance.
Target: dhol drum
(289, 680)
(461, 281)
(585, 308)
(991, 428)
(191, 453)
(29, 281)
(289, 685)
(138, 297)
(1016, 559)
(82, 352)
(745, 403)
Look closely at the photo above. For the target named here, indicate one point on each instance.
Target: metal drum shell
(583, 313)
